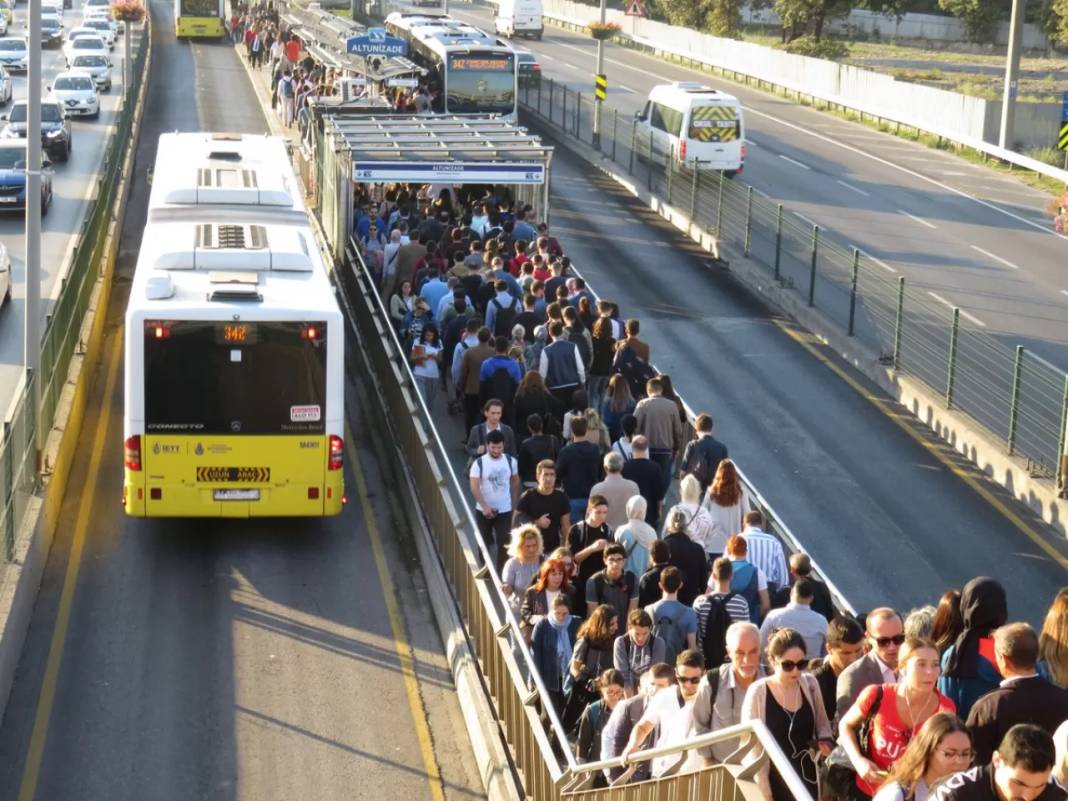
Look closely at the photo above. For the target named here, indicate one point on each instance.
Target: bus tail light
(132, 457)
(682, 151)
(337, 453)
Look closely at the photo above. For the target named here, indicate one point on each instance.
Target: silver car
(7, 87)
(97, 65)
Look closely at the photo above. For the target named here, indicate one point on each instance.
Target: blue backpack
(745, 583)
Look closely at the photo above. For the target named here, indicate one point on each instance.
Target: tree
(978, 16)
(1057, 22)
(718, 17)
(807, 17)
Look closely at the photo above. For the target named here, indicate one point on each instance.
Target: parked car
(13, 180)
(76, 91)
(96, 65)
(84, 44)
(55, 128)
(7, 87)
(13, 53)
(529, 68)
(7, 11)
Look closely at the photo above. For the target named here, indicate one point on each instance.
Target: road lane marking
(761, 192)
(569, 65)
(964, 314)
(1064, 291)
(795, 162)
(546, 56)
(805, 219)
(990, 255)
(905, 420)
(881, 263)
(405, 653)
(46, 699)
(623, 88)
(913, 217)
(852, 188)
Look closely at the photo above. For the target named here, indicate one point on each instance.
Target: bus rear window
(235, 378)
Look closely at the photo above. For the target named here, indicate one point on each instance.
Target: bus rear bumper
(143, 497)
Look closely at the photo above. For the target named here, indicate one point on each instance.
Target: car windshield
(49, 113)
(88, 43)
(12, 44)
(12, 158)
(90, 61)
(98, 24)
(74, 82)
(50, 24)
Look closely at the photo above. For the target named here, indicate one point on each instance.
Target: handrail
(751, 731)
(487, 560)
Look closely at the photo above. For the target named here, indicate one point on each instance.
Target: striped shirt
(737, 609)
(765, 551)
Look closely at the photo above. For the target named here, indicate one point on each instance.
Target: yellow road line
(396, 623)
(904, 421)
(46, 700)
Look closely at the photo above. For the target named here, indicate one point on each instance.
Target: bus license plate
(237, 494)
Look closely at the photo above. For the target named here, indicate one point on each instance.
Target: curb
(495, 766)
(33, 541)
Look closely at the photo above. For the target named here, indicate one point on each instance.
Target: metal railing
(1013, 393)
(63, 326)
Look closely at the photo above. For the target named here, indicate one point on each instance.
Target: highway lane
(249, 660)
(72, 185)
(882, 514)
(976, 238)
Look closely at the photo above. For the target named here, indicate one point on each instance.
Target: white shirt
(676, 726)
(889, 674)
(495, 479)
(429, 368)
(765, 551)
(812, 626)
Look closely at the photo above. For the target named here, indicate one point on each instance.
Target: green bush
(830, 49)
(1047, 155)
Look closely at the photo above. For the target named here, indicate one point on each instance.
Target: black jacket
(1033, 700)
(690, 559)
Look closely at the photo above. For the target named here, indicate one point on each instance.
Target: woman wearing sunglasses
(897, 712)
(942, 747)
(791, 706)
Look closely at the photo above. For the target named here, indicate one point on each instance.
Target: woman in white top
(636, 536)
(521, 569)
(725, 502)
(426, 364)
(942, 747)
(698, 523)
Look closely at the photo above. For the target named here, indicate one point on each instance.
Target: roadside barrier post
(778, 241)
(897, 318)
(748, 220)
(1060, 437)
(649, 163)
(539, 97)
(719, 207)
(812, 268)
(854, 275)
(552, 86)
(578, 115)
(615, 127)
(1014, 404)
(953, 333)
(669, 168)
(563, 114)
(693, 190)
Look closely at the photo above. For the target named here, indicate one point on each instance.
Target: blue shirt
(513, 286)
(507, 301)
(494, 362)
(433, 291)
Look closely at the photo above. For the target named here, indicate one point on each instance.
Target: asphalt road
(72, 185)
(250, 660)
(975, 238)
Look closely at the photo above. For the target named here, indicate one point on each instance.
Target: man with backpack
(748, 580)
(499, 377)
(673, 622)
(287, 92)
(703, 453)
(494, 481)
(722, 690)
(502, 310)
(716, 611)
(613, 585)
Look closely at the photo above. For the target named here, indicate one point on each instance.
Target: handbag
(837, 776)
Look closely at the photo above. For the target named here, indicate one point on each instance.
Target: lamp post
(597, 102)
(1012, 71)
(32, 344)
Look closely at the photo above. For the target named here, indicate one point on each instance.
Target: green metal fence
(18, 457)
(1013, 393)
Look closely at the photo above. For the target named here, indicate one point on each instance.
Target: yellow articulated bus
(234, 399)
(199, 18)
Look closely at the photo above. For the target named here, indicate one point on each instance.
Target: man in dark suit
(1023, 697)
(703, 453)
(885, 636)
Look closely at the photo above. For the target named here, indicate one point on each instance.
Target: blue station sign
(376, 43)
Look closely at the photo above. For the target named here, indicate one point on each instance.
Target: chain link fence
(1015, 394)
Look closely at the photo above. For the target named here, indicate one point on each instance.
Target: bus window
(481, 84)
(200, 8)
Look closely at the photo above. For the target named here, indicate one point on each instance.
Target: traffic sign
(1064, 107)
(1062, 138)
(600, 86)
(636, 8)
(376, 43)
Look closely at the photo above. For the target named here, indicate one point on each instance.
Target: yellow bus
(234, 347)
(199, 18)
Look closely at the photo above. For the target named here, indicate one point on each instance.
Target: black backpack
(504, 317)
(502, 386)
(714, 640)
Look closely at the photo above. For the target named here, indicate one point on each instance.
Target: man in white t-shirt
(671, 709)
(495, 484)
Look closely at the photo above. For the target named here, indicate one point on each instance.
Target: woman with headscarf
(636, 536)
(553, 647)
(968, 668)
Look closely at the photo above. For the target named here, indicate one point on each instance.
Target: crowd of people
(652, 622)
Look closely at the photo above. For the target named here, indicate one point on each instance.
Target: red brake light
(309, 332)
(535, 67)
(682, 150)
(337, 453)
(158, 330)
(132, 455)
(745, 150)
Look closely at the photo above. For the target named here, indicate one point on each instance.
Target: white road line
(964, 314)
(546, 56)
(795, 162)
(853, 188)
(806, 219)
(570, 66)
(881, 263)
(1064, 291)
(623, 88)
(761, 192)
(990, 255)
(920, 220)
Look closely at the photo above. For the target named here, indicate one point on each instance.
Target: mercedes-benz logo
(235, 426)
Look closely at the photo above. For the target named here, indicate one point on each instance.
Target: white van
(519, 18)
(701, 126)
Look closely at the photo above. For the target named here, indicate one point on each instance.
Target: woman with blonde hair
(943, 747)
(1053, 641)
(597, 432)
(699, 525)
(524, 550)
(725, 502)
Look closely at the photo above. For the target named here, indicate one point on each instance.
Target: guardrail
(1016, 395)
(60, 342)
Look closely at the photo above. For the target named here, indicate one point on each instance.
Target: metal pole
(597, 102)
(953, 333)
(748, 220)
(650, 162)
(778, 241)
(615, 131)
(633, 144)
(578, 115)
(1060, 438)
(693, 190)
(563, 117)
(1012, 70)
(853, 289)
(719, 207)
(897, 318)
(552, 84)
(32, 345)
(812, 268)
(1014, 404)
(126, 65)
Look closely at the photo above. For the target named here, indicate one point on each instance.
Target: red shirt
(249, 35)
(293, 50)
(515, 266)
(889, 734)
(542, 275)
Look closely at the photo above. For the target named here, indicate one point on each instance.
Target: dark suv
(55, 128)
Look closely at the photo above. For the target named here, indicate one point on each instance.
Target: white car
(13, 53)
(96, 66)
(83, 45)
(99, 12)
(3, 25)
(76, 91)
(7, 87)
(105, 28)
(83, 30)
(52, 7)
(5, 274)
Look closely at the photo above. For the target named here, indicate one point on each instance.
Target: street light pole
(1012, 70)
(597, 102)
(32, 344)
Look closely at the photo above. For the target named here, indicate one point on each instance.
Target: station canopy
(324, 36)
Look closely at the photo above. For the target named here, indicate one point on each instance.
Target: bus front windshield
(235, 378)
(199, 8)
(481, 84)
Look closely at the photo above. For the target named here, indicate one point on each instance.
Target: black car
(529, 69)
(13, 178)
(51, 32)
(55, 128)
